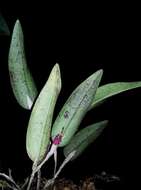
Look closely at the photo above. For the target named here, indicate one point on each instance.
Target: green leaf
(38, 133)
(75, 108)
(83, 138)
(111, 89)
(22, 82)
(4, 30)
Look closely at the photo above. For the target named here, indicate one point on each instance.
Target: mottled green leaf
(75, 108)
(38, 133)
(83, 138)
(22, 82)
(4, 30)
(111, 89)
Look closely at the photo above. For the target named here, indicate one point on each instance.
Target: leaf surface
(75, 108)
(21, 79)
(83, 138)
(38, 132)
(111, 89)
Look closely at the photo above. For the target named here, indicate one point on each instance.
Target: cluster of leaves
(43, 137)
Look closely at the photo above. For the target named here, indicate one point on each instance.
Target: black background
(82, 40)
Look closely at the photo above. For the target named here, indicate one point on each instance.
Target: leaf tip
(100, 72)
(58, 75)
(17, 22)
(17, 27)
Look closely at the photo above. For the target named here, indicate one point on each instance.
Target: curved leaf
(75, 108)
(83, 138)
(111, 89)
(22, 82)
(38, 133)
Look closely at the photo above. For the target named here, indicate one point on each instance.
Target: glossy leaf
(4, 30)
(38, 133)
(22, 82)
(83, 138)
(75, 108)
(111, 89)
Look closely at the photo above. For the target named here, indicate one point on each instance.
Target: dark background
(82, 41)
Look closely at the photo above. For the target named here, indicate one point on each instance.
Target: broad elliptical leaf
(75, 108)
(39, 127)
(21, 79)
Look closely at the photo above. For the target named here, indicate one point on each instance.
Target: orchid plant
(43, 137)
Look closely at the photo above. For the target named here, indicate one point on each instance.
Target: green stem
(38, 179)
(31, 180)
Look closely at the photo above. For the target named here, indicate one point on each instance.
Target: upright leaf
(75, 108)
(4, 30)
(83, 138)
(111, 89)
(22, 82)
(38, 133)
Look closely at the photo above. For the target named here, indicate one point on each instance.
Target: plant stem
(38, 179)
(24, 185)
(67, 159)
(12, 183)
(36, 167)
(31, 180)
(49, 154)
